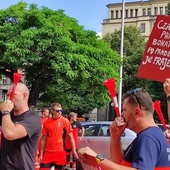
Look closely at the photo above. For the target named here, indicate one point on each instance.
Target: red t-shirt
(43, 119)
(76, 127)
(54, 129)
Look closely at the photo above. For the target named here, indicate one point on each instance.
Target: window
(121, 13)
(126, 13)
(90, 130)
(136, 12)
(131, 13)
(112, 14)
(166, 11)
(142, 27)
(104, 130)
(4, 80)
(156, 11)
(117, 14)
(149, 11)
(161, 10)
(4, 97)
(144, 12)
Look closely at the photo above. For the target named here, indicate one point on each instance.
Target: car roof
(98, 122)
(106, 123)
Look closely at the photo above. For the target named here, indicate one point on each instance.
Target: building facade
(4, 86)
(141, 14)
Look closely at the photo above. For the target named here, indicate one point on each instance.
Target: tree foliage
(133, 49)
(134, 45)
(62, 61)
(168, 9)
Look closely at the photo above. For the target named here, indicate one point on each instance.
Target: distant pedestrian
(44, 117)
(76, 129)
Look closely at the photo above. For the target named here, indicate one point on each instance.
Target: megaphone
(111, 87)
(17, 77)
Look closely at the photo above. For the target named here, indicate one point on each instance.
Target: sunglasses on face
(133, 92)
(58, 110)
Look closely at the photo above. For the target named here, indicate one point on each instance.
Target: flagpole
(121, 55)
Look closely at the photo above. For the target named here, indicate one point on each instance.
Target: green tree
(62, 61)
(134, 45)
(168, 9)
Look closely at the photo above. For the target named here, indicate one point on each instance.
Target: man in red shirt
(45, 115)
(76, 128)
(52, 152)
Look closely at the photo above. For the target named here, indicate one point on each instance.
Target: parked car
(97, 137)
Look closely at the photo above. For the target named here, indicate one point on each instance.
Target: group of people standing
(23, 134)
(59, 139)
(30, 142)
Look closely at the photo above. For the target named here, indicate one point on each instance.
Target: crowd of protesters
(31, 142)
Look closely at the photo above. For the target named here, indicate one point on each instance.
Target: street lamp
(121, 55)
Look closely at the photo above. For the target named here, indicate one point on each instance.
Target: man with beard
(149, 150)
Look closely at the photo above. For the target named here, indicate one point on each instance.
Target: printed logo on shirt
(74, 126)
(128, 149)
(168, 151)
(59, 124)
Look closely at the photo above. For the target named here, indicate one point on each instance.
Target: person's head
(20, 97)
(45, 112)
(137, 108)
(73, 116)
(56, 110)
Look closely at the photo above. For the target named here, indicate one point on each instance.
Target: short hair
(44, 109)
(72, 114)
(55, 105)
(140, 97)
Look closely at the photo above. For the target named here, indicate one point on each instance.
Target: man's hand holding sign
(155, 64)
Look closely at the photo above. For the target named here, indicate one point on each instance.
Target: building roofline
(130, 2)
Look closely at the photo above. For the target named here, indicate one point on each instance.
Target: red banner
(90, 163)
(155, 64)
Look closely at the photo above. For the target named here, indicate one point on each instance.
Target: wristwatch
(5, 113)
(168, 98)
(99, 158)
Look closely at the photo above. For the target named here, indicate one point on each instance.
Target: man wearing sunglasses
(52, 151)
(149, 150)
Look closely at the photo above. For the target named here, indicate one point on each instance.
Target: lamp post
(121, 55)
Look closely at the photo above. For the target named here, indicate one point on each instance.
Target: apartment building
(140, 13)
(4, 86)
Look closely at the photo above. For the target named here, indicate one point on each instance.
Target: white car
(97, 137)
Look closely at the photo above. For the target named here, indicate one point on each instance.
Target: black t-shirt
(20, 154)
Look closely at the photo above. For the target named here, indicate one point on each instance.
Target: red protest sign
(90, 163)
(155, 64)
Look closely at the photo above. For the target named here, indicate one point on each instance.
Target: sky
(88, 13)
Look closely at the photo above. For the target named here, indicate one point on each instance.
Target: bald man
(21, 129)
